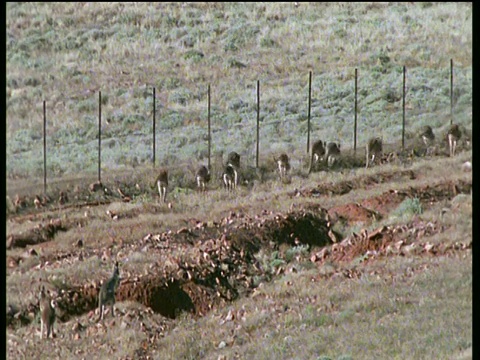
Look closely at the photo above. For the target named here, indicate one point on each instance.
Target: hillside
(343, 263)
(66, 53)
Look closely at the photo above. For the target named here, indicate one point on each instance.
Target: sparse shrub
(181, 96)
(239, 34)
(133, 119)
(409, 207)
(171, 120)
(267, 42)
(88, 105)
(31, 81)
(239, 104)
(230, 46)
(426, 5)
(301, 250)
(391, 96)
(275, 263)
(234, 63)
(340, 33)
(193, 55)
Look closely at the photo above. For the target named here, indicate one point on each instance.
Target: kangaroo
(453, 135)
(47, 313)
(106, 295)
(427, 135)
(203, 177)
(162, 184)
(428, 138)
(230, 177)
(332, 153)
(234, 159)
(318, 151)
(283, 165)
(374, 150)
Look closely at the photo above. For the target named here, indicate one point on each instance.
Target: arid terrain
(342, 263)
(211, 266)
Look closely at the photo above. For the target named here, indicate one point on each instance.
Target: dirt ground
(207, 265)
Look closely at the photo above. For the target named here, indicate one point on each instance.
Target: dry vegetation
(349, 263)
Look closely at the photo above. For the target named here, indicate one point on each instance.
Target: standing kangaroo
(162, 184)
(318, 151)
(453, 135)
(106, 296)
(374, 150)
(47, 313)
(283, 165)
(202, 177)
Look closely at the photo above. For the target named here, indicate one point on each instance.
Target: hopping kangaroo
(453, 135)
(283, 165)
(202, 177)
(162, 183)
(332, 153)
(47, 313)
(106, 295)
(374, 150)
(230, 177)
(318, 151)
(428, 138)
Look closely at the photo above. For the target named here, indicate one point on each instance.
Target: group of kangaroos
(328, 152)
(106, 296)
(321, 152)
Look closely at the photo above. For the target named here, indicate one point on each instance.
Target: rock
(467, 166)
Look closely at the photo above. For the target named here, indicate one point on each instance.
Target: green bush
(409, 207)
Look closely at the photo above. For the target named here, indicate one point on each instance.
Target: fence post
(309, 107)
(258, 121)
(451, 91)
(209, 130)
(44, 148)
(403, 107)
(355, 119)
(99, 134)
(154, 131)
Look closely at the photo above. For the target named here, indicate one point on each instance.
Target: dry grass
(400, 307)
(407, 316)
(65, 53)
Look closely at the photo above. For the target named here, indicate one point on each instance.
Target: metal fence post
(99, 134)
(44, 147)
(309, 107)
(403, 107)
(258, 121)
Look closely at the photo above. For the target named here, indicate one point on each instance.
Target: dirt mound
(377, 207)
(353, 213)
(206, 265)
(344, 187)
(40, 233)
(216, 264)
(387, 240)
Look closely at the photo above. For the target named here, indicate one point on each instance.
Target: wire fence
(141, 136)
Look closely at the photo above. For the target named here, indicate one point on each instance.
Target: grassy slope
(421, 316)
(65, 53)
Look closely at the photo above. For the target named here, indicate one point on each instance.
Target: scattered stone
(467, 166)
